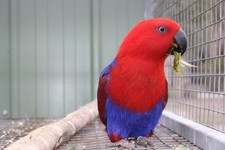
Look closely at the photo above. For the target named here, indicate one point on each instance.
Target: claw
(124, 144)
(144, 141)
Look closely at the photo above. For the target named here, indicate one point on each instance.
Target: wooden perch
(51, 136)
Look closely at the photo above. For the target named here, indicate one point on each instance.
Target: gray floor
(91, 137)
(12, 130)
(94, 137)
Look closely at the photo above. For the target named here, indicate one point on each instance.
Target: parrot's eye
(162, 29)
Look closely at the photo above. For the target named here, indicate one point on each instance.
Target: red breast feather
(135, 85)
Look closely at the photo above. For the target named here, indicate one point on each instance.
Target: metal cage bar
(199, 94)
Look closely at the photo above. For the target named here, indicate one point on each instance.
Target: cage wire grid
(94, 137)
(199, 94)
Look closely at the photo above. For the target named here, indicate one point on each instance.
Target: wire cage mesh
(93, 136)
(199, 94)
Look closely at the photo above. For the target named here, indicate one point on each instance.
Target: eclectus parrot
(132, 91)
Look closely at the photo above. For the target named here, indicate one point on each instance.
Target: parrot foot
(143, 141)
(123, 144)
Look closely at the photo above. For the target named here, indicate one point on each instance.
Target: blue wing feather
(106, 71)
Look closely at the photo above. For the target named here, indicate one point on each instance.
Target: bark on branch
(51, 136)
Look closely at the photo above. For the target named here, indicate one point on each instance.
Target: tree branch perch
(53, 135)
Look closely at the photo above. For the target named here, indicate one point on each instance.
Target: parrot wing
(102, 94)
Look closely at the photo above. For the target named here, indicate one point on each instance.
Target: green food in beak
(178, 63)
(178, 48)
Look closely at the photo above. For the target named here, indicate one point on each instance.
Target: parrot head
(154, 39)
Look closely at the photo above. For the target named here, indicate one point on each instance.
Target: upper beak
(179, 43)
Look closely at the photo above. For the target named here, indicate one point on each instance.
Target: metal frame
(204, 137)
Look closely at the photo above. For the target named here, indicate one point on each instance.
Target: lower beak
(179, 43)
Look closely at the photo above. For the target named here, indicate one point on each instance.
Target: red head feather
(146, 41)
(137, 82)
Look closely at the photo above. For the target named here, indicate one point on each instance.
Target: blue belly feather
(130, 124)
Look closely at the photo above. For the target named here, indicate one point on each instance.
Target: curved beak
(179, 43)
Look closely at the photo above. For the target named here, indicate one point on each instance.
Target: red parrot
(132, 91)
